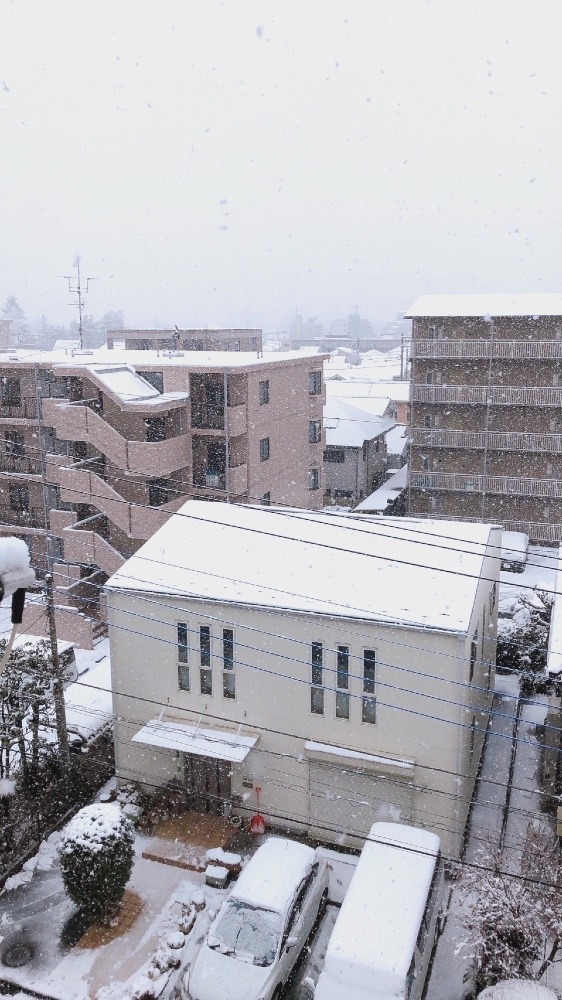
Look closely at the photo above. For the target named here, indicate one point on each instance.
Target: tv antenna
(75, 286)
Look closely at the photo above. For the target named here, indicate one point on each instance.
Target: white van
(383, 937)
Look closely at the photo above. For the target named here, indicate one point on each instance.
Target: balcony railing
(207, 417)
(493, 440)
(496, 395)
(504, 485)
(23, 464)
(24, 409)
(32, 518)
(516, 350)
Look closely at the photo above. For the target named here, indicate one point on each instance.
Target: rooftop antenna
(75, 286)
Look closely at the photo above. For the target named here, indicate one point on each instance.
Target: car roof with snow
(272, 874)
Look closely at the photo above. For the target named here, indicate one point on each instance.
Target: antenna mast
(75, 286)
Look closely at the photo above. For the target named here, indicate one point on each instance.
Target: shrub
(96, 857)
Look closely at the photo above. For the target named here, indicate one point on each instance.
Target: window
(155, 428)
(157, 492)
(11, 391)
(425, 463)
(156, 379)
(427, 420)
(313, 479)
(365, 449)
(228, 677)
(264, 449)
(473, 654)
(254, 343)
(369, 702)
(336, 455)
(342, 683)
(493, 594)
(19, 497)
(236, 345)
(14, 444)
(314, 383)
(316, 691)
(264, 392)
(183, 657)
(314, 431)
(205, 673)
(266, 499)
(549, 468)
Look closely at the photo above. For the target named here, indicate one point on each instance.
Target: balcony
(496, 395)
(504, 485)
(24, 409)
(516, 350)
(22, 465)
(32, 518)
(493, 440)
(206, 416)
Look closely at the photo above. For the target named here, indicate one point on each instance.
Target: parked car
(256, 939)
(515, 547)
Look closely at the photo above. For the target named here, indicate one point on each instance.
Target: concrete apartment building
(486, 410)
(97, 449)
(186, 340)
(342, 664)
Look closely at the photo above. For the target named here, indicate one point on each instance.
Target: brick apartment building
(97, 449)
(486, 410)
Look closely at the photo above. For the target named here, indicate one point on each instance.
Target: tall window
(336, 455)
(264, 391)
(158, 493)
(316, 690)
(266, 499)
(11, 391)
(369, 703)
(313, 479)
(183, 657)
(205, 672)
(264, 449)
(228, 675)
(314, 431)
(19, 497)
(342, 683)
(473, 654)
(14, 444)
(314, 383)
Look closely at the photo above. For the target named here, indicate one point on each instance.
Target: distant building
(186, 340)
(97, 449)
(355, 457)
(486, 410)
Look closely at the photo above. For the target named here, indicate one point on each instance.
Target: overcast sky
(226, 163)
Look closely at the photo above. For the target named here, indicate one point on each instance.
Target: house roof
(521, 304)
(378, 501)
(400, 570)
(348, 426)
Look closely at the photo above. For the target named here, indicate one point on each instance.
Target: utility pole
(58, 686)
(75, 286)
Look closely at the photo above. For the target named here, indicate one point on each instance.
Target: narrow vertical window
(183, 657)
(316, 690)
(342, 683)
(228, 676)
(264, 391)
(369, 703)
(205, 673)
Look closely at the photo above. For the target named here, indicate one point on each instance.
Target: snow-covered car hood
(215, 976)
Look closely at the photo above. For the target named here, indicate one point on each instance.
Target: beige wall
(416, 688)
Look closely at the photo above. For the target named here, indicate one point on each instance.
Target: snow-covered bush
(96, 857)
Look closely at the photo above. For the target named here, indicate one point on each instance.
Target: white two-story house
(341, 664)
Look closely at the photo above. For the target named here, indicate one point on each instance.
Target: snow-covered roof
(517, 989)
(218, 744)
(554, 655)
(475, 304)
(348, 426)
(89, 701)
(374, 937)
(162, 359)
(416, 572)
(272, 874)
(380, 499)
(396, 440)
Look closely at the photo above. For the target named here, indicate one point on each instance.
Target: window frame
(369, 684)
(316, 677)
(182, 650)
(265, 449)
(264, 392)
(342, 682)
(314, 431)
(313, 479)
(315, 383)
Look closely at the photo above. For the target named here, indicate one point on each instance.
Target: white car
(254, 942)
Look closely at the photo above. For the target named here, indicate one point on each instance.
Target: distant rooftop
(348, 426)
(214, 360)
(520, 304)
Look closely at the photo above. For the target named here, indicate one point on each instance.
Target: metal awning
(216, 743)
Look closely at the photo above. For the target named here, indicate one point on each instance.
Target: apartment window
(427, 421)
(155, 379)
(473, 654)
(316, 690)
(335, 455)
(549, 468)
(425, 463)
(157, 492)
(11, 391)
(365, 450)
(342, 683)
(19, 497)
(313, 479)
(369, 702)
(555, 378)
(14, 444)
(314, 431)
(553, 425)
(236, 345)
(264, 449)
(314, 383)
(266, 499)
(264, 392)
(205, 673)
(183, 657)
(155, 428)
(228, 676)
(254, 343)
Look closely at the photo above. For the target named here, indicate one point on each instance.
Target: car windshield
(247, 933)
